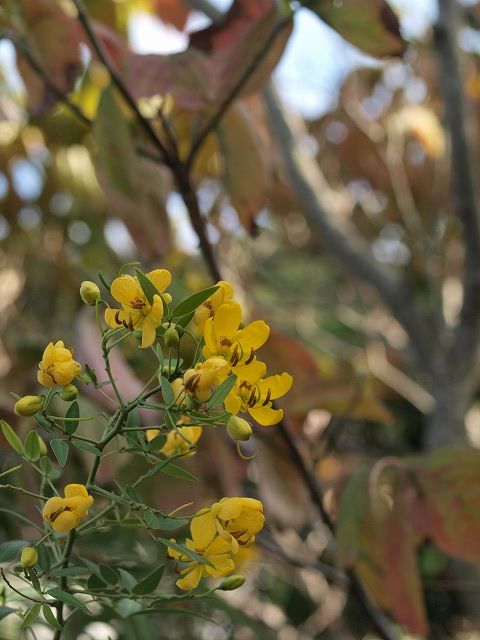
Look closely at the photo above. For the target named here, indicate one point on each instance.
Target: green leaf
(86, 446)
(370, 25)
(45, 465)
(73, 412)
(45, 423)
(108, 574)
(185, 320)
(67, 598)
(163, 523)
(31, 616)
(174, 471)
(222, 391)
(196, 557)
(60, 449)
(11, 437)
(191, 303)
(43, 558)
(148, 288)
(126, 579)
(32, 446)
(127, 607)
(11, 549)
(115, 149)
(68, 571)
(157, 443)
(167, 391)
(149, 583)
(6, 611)
(50, 617)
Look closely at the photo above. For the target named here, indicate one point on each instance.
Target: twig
(17, 591)
(464, 175)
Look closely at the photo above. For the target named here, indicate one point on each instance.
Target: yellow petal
(45, 379)
(160, 278)
(266, 416)
(111, 317)
(151, 434)
(72, 490)
(251, 372)
(228, 508)
(148, 333)
(51, 506)
(226, 320)
(48, 354)
(233, 402)
(191, 579)
(203, 530)
(156, 311)
(65, 372)
(125, 289)
(278, 385)
(254, 335)
(66, 521)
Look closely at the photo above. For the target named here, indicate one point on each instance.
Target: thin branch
(464, 176)
(348, 249)
(17, 591)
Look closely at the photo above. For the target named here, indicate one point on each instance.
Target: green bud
(42, 446)
(89, 292)
(69, 392)
(138, 335)
(171, 337)
(29, 557)
(28, 405)
(232, 582)
(238, 428)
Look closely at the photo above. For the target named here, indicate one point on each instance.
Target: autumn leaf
(370, 25)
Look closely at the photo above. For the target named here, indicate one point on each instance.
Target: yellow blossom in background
(57, 365)
(64, 514)
(137, 313)
(212, 547)
(237, 520)
(177, 440)
(204, 377)
(256, 398)
(224, 338)
(207, 309)
(422, 123)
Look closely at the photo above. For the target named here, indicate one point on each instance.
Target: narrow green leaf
(149, 583)
(11, 549)
(73, 412)
(163, 523)
(192, 302)
(196, 557)
(148, 288)
(108, 574)
(185, 320)
(157, 443)
(167, 391)
(221, 392)
(32, 446)
(31, 616)
(43, 558)
(67, 598)
(126, 579)
(174, 471)
(86, 446)
(127, 607)
(44, 423)
(50, 617)
(11, 437)
(60, 449)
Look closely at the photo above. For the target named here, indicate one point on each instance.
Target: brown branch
(351, 252)
(464, 178)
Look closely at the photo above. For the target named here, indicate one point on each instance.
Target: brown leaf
(53, 38)
(370, 25)
(245, 178)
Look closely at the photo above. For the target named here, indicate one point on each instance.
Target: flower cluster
(64, 514)
(217, 535)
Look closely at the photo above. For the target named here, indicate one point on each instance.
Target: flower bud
(171, 337)
(29, 557)
(69, 392)
(42, 446)
(89, 292)
(28, 405)
(232, 582)
(238, 428)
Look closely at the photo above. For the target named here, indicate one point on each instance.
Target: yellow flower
(65, 513)
(223, 338)
(202, 380)
(137, 312)
(177, 440)
(256, 398)
(236, 520)
(207, 309)
(29, 557)
(57, 365)
(212, 547)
